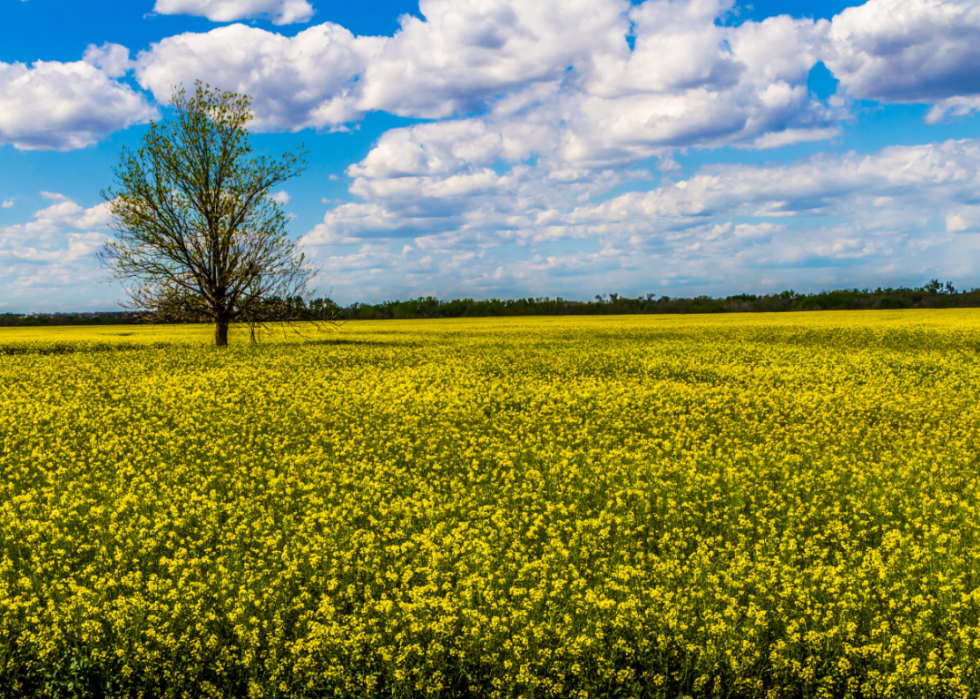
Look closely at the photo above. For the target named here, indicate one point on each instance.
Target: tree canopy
(197, 234)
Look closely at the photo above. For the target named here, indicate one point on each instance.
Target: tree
(197, 234)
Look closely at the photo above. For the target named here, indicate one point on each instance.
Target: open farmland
(751, 505)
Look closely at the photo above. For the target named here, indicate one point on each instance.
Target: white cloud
(953, 106)
(62, 106)
(689, 81)
(279, 11)
(295, 82)
(906, 211)
(743, 86)
(908, 50)
(7, 204)
(55, 249)
(466, 51)
(964, 220)
(63, 214)
(113, 59)
(899, 178)
(281, 197)
(562, 66)
(447, 147)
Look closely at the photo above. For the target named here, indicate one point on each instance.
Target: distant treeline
(43, 319)
(932, 295)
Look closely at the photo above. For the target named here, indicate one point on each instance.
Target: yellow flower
(740, 505)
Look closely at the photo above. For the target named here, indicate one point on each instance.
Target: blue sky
(503, 148)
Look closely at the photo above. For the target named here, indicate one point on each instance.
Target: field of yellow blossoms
(735, 506)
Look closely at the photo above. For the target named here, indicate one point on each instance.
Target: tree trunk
(221, 333)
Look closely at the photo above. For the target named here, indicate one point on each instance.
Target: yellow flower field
(779, 505)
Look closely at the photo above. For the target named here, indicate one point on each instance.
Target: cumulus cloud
(687, 82)
(62, 214)
(113, 59)
(905, 211)
(952, 107)
(55, 249)
(279, 11)
(956, 223)
(448, 147)
(690, 82)
(865, 188)
(908, 51)
(861, 187)
(465, 51)
(281, 197)
(295, 82)
(63, 106)
(7, 204)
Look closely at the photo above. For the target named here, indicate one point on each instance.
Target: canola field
(768, 506)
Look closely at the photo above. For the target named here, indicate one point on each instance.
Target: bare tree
(197, 234)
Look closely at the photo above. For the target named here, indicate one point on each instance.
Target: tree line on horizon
(931, 295)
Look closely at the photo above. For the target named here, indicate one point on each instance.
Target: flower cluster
(739, 506)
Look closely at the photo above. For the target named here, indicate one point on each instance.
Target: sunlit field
(768, 505)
